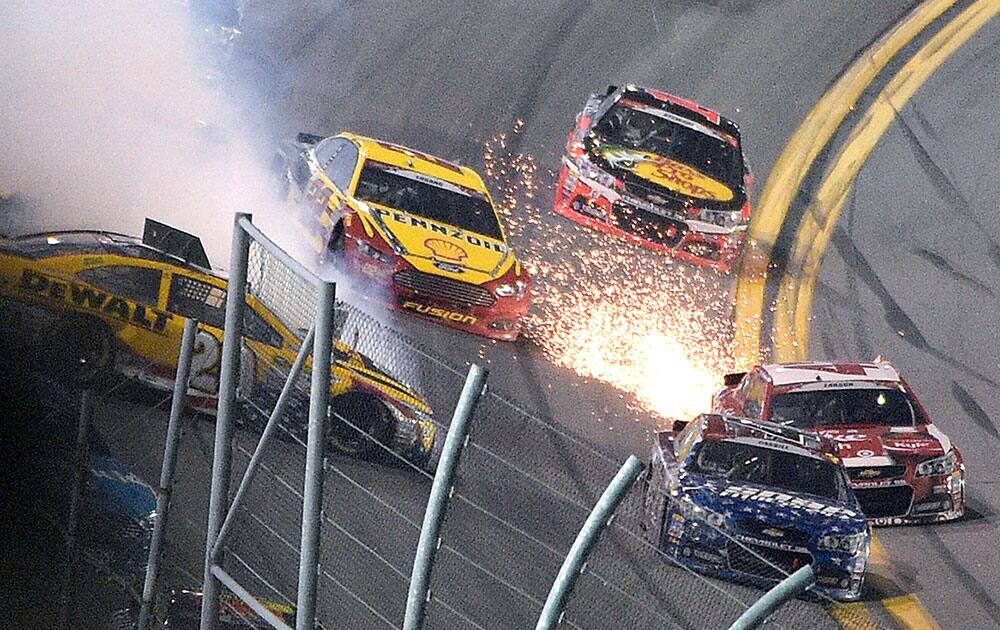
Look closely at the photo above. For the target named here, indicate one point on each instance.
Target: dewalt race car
(658, 171)
(87, 304)
(753, 502)
(420, 229)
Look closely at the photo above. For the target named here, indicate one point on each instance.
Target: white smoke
(105, 119)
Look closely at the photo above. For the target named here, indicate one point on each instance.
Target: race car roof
(414, 160)
(721, 428)
(685, 107)
(817, 371)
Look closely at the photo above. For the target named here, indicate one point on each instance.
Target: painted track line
(795, 296)
(797, 159)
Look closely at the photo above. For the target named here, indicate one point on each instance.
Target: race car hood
(439, 248)
(750, 501)
(867, 442)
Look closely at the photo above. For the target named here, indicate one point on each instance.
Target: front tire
(83, 351)
(369, 415)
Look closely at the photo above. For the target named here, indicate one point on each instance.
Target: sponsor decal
(445, 250)
(668, 173)
(787, 500)
(772, 544)
(441, 313)
(862, 452)
(90, 299)
(440, 228)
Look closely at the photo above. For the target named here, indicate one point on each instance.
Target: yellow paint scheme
(484, 258)
(671, 174)
(52, 284)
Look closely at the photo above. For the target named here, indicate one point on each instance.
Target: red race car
(902, 467)
(659, 171)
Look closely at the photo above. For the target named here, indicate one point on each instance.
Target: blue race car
(752, 502)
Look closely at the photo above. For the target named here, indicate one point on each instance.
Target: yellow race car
(420, 230)
(87, 304)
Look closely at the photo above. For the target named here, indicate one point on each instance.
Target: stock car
(903, 468)
(752, 502)
(659, 171)
(420, 230)
(89, 304)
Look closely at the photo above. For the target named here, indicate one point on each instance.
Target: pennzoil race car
(88, 304)
(419, 228)
(753, 502)
(658, 171)
(902, 467)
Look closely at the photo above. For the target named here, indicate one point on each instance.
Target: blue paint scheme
(121, 491)
(710, 523)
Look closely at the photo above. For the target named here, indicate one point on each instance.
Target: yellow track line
(796, 160)
(796, 292)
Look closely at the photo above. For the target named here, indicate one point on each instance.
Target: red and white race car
(659, 171)
(903, 469)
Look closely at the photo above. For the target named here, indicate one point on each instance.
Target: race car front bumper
(465, 306)
(913, 500)
(588, 203)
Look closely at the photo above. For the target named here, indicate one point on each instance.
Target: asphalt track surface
(447, 77)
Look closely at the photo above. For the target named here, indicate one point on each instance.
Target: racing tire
(369, 415)
(83, 351)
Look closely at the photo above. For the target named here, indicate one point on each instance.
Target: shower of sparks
(638, 320)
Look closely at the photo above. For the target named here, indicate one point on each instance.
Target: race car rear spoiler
(175, 242)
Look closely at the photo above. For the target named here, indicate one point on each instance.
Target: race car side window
(197, 300)
(686, 439)
(753, 395)
(140, 284)
(339, 167)
(326, 149)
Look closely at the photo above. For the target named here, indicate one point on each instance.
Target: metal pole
(167, 472)
(437, 503)
(81, 464)
(576, 559)
(312, 492)
(228, 378)
(783, 591)
(272, 425)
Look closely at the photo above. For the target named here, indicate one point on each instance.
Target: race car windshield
(690, 143)
(431, 199)
(790, 472)
(846, 407)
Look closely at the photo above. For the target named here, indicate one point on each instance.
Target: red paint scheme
(708, 249)
(374, 278)
(881, 460)
(729, 248)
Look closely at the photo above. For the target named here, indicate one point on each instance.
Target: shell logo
(445, 250)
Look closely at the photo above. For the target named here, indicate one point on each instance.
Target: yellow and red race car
(88, 304)
(419, 228)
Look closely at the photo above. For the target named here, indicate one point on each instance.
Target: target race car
(753, 502)
(420, 229)
(659, 171)
(902, 467)
(89, 304)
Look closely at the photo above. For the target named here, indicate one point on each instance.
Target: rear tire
(369, 415)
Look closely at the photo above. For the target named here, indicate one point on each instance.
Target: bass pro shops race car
(420, 229)
(89, 304)
(753, 502)
(902, 467)
(659, 171)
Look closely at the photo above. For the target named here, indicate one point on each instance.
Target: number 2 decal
(205, 363)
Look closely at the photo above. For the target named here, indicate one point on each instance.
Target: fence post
(312, 492)
(81, 461)
(576, 559)
(228, 378)
(437, 503)
(784, 591)
(167, 472)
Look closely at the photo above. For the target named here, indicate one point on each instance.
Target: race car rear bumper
(578, 200)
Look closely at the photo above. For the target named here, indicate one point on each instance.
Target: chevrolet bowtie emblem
(868, 473)
(773, 532)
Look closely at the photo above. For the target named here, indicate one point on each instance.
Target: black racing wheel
(372, 424)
